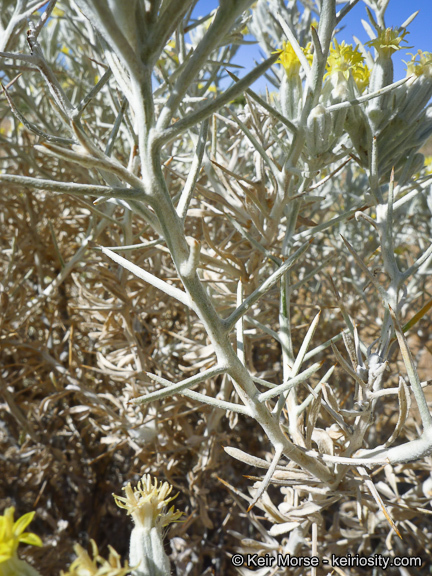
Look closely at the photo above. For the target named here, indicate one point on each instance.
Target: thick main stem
(172, 229)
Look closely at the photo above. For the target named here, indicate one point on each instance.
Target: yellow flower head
(12, 533)
(169, 53)
(388, 41)
(428, 164)
(361, 76)
(344, 59)
(211, 88)
(58, 12)
(98, 566)
(422, 66)
(146, 503)
(289, 59)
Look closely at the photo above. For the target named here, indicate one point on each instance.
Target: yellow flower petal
(22, 523)
(30, 538)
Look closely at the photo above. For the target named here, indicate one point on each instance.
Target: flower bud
(387, 42)
(418, 94)
(318, 133)
(291, 96)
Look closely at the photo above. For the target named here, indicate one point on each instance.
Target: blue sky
(420, 36)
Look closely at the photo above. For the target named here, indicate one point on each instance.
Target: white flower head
(147, 503)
